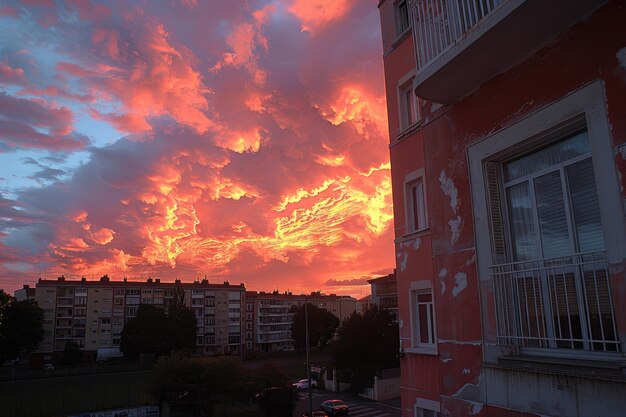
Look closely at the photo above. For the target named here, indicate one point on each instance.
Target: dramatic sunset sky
(244, 140)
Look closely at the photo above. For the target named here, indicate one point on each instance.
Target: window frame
(416, 289)
(423, 404)
(409, 208)
(407, 117)
(397, 18)
(585, 106)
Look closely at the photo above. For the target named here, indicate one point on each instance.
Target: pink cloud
(108, 40)
(57, 120)
(10, 75)
(89, 11)
(8, 11)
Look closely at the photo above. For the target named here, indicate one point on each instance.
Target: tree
(322, 326)
(148, 332)
(182, 322)
(367, 343)
(72, 354)
(158, 331)
(21, 326)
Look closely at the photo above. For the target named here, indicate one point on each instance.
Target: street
(359, 407)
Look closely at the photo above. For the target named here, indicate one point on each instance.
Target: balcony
(460, 44)
(557, 303)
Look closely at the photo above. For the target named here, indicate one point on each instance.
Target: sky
(239, 140)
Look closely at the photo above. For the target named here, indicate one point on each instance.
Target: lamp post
(308, 354)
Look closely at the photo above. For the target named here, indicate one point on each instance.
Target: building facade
(269, 316)
(508, 153)
(385, 292)
(92, 313)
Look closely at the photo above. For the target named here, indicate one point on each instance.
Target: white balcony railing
(556, 303)
(439, 24)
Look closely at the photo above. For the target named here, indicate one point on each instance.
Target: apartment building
(269, 316)
(93, 313)
(385, 292)
(508, 154)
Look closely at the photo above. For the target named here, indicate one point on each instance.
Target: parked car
(47, 367)
(304, 384)
(335, 407)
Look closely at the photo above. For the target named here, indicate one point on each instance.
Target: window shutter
(494, 207)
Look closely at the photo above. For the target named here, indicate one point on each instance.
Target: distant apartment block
(269, 316)
(229, 319)
(93, 313)
(385, 292)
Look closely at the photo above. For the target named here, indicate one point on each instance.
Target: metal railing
(556, 303)
(439, 24)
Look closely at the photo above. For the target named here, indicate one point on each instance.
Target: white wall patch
(404, 261)
(448, 188)
(466, 371)
(621, 57)
(460, 283)
(442, 275)
(417, 243)
(456, 225)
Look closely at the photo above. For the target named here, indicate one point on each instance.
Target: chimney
(157, 280)
(149, 280)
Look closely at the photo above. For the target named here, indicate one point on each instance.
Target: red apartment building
(507, 124)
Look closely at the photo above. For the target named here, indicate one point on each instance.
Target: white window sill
(422, 350)
(412, 235)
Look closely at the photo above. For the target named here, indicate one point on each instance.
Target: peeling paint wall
(445, 254)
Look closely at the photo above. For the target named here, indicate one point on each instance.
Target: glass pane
(582, 185)
(423, 319)
(555, 237)
(418, 214)
(576, 145)
(522, 222)
(425, 298)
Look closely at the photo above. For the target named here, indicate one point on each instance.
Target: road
(359, 407)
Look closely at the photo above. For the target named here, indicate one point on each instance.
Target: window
(415, 203)
(407, 104)
(423, 320)
(554, 282)
(548, 198)
(426, 408)
(401, 12)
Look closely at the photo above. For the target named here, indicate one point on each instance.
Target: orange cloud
(244, 40)
(161, 81)
(314, 14)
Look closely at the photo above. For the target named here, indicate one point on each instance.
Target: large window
(545, 202)
(554, 289)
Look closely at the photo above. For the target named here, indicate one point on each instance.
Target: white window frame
(409, 180)
(423, 404)
(419, 288)
(408, 117)
(587, 102)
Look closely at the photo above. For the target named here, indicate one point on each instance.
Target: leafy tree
(149, 332)
(322, 326)
(21, 326)
(367, 343)
(158, 331)
(72, 354)
(182, 322)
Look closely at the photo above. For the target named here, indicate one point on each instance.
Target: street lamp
(308, 354)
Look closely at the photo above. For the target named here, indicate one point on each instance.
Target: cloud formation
(245, 141)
